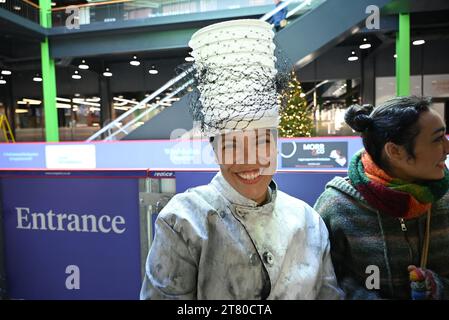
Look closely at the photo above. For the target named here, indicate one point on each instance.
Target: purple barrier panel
(71, 238)
(306, 186)
(190, 179)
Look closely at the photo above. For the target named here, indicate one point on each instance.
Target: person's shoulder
(338, 191)
(287, 200)
(442, 205)
(191, 204)
(296, 207)
(197, 196)
(341, 204)
(303, 216)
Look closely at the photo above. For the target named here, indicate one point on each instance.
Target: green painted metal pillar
(403, 56)
(48, 78)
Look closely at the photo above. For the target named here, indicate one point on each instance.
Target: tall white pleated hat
(236, 76)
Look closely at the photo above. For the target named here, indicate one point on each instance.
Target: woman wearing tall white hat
(239, 237)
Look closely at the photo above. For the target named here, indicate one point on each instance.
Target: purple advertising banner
(22, 155)
(71, 238)
(293, 154)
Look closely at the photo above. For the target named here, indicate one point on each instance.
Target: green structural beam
(49, 89)
(48, 78)
(403, 56)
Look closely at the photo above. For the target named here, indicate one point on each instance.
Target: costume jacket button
(268, 258)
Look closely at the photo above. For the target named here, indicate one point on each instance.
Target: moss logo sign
(314, 154)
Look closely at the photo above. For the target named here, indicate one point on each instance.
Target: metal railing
(23, 8)
(134, 117)
(124, 10)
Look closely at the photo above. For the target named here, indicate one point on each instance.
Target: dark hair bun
(358, 117)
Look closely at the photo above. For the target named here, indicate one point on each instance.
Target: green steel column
(403, 56)
(48, 78)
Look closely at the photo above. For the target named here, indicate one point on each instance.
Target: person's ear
(395, 153)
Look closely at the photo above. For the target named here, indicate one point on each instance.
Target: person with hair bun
(388, 221)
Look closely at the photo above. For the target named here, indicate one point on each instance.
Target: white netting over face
(230, 100)
(237, 84)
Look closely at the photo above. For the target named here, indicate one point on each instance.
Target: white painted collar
(242, 204)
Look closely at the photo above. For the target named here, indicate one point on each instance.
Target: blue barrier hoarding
(71, 238)
(71, 233)
(306, 186)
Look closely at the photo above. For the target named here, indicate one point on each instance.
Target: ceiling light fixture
(153, 70)
(134, 62)
(107, 73)
(365, 44)
(83, 65)
(84, 102)
(63, 99)
(353, 57)
(76, 76)
(32, 101)
(419, 42)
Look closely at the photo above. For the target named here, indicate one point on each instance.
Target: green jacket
(362, 237)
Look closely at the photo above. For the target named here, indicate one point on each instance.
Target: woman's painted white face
(431, 149)
(247, 161)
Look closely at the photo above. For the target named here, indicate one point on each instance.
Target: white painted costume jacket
(212, 243)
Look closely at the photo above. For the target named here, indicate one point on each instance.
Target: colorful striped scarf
(395, 197)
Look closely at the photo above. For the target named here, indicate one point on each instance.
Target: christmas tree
(296, 120)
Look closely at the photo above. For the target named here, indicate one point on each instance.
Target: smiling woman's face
(247, 161)
(431, 149)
